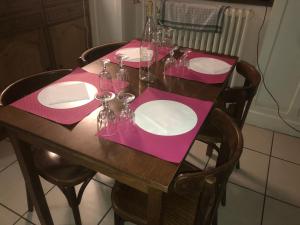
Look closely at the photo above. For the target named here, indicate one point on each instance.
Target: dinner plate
(165, 117)
(67, 95)
(209, 65)
(133, 54)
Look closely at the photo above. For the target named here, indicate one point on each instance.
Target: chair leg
(223, 200)
(209, 150)
(29, 200)
(118, 220)
(70, 194)
(215, 219)
(237, 166)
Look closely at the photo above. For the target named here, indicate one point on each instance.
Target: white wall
(106, 21)
(279, 60)
(115, 20)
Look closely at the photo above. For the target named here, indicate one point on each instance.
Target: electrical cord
(263, 78)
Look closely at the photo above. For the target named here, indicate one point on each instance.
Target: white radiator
(229, 42)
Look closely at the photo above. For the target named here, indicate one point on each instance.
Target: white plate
(133, 54)
(165, 117)
(67, 95)
(209, 65)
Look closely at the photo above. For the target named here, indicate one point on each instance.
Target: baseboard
(271, 122)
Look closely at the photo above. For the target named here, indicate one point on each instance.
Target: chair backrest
(97, 52)
(236, 101)
(208, 185)
(27, 85)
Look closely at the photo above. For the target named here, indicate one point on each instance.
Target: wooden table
(79, 144)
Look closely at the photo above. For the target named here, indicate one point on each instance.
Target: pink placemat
(30, 103)
(169, 148)
(162, 52)
(189, 74)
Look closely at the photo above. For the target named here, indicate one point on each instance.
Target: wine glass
(170, 62)
(121, 75)
(167, 37)
(183, 61)
(106, 118)
(126, 114)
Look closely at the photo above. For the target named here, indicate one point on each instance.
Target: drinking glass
(183, 60)
(126, 114)
(167, 37)
(121, 75)
(105, 84)
(170, 62)
(106, 118)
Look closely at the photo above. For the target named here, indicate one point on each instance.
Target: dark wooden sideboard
(39, 35)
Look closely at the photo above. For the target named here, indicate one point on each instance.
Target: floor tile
(7, 154)
(286, 147)
(284, 182)
(278, 213)
(104, 179)
(94, 205)
(250, 176)
(12, 184)
(109, 219)
(197, 154)
(7, 217)
(243, 207)
(23, 222)
(257, 138)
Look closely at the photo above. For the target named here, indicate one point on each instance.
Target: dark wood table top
(79, 143)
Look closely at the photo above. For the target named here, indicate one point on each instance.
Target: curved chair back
(97, 52)
(209, 185)
(27, 85)
(236, 101)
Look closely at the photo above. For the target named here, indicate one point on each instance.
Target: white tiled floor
(265, 191)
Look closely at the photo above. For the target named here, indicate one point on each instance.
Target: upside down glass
(106, 119)
(170, 62)
(126, 114)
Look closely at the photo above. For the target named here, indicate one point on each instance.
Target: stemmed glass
(183, 60)
(170, 61)
(126, 114)
(122, 74)
(106, 118)
(167, 37)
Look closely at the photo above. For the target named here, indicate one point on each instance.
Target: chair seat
(58, 170)
(131, 204)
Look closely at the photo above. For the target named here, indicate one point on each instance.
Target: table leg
(154, 206)
(24, 156)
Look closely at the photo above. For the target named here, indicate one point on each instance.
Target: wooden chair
(236, 102)
(194, 195)
(52, 167)
(97, 52)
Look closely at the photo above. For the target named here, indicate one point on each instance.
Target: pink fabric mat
(188, 74)
(69, 116)
(162, 52)
(169, 148)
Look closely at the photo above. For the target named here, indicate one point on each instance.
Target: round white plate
(208, 65)
(133, 54)
(67, 95)
(165, 117)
